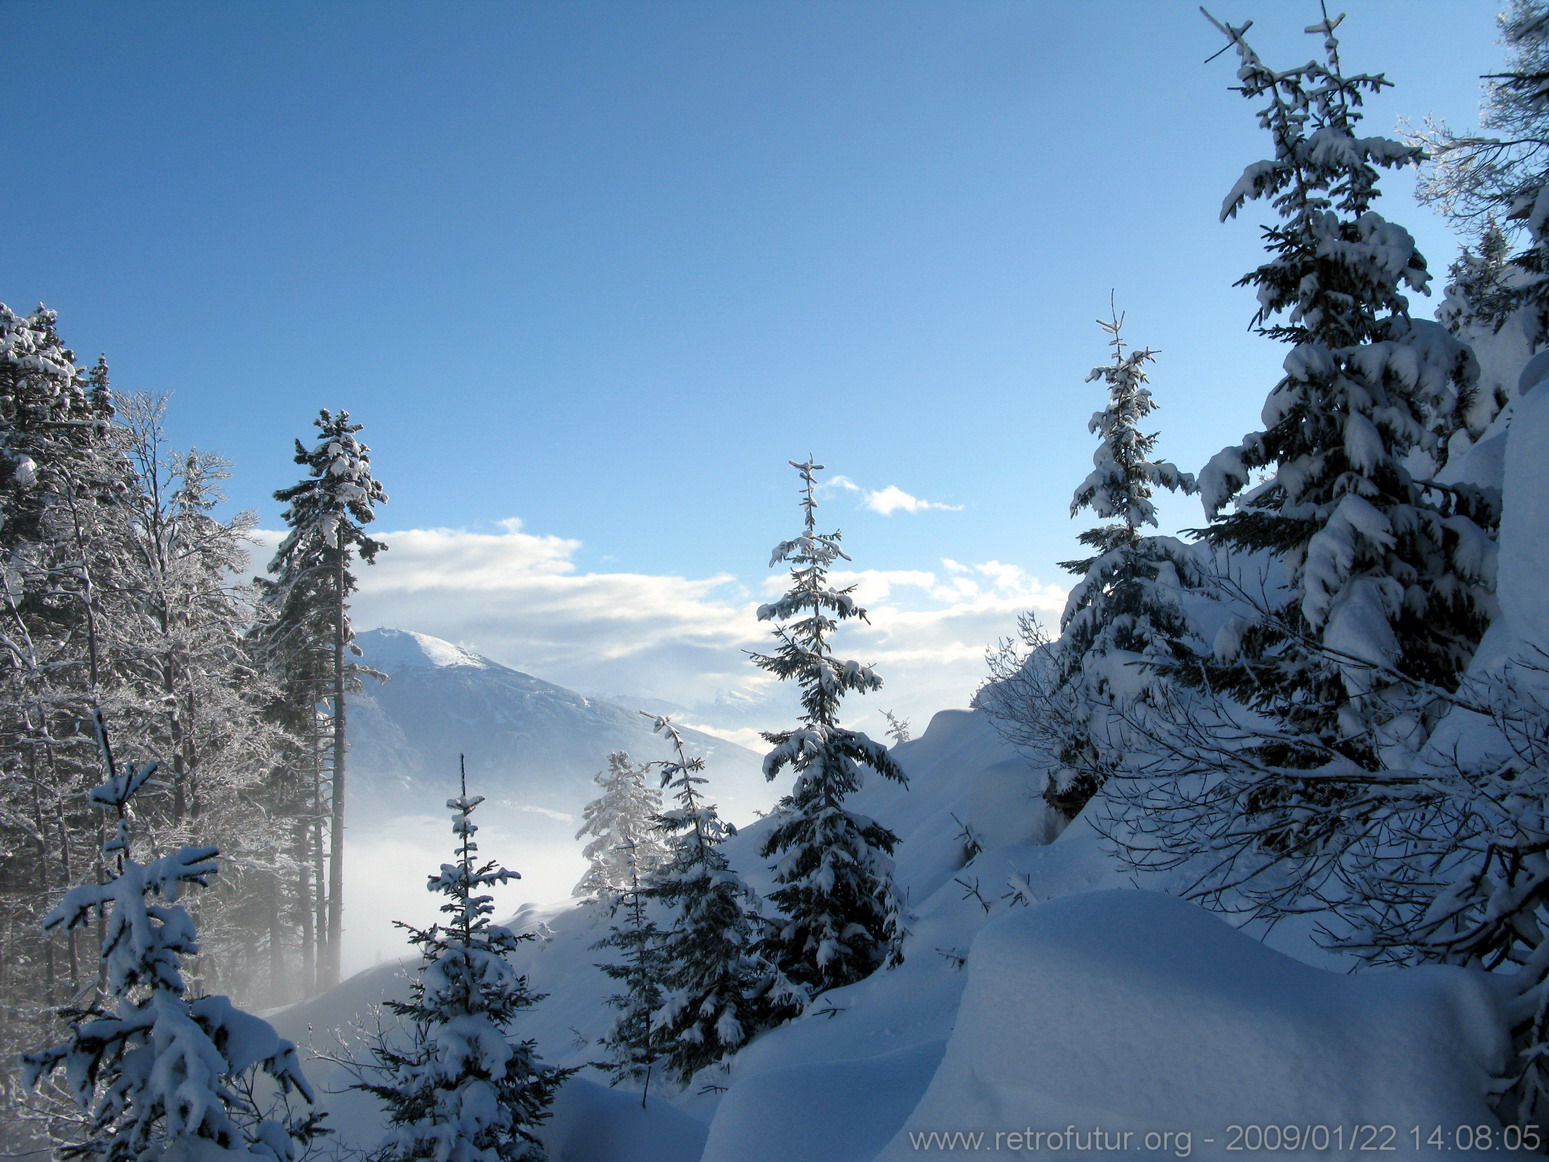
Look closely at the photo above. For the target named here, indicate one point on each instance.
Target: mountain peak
(397, 649)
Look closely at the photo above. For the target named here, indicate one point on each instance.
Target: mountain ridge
(526, 742)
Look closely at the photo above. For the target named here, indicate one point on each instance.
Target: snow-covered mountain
(528, 744)
(531, 749)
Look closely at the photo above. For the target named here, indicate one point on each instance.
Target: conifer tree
(635, 1042)
(312, 583)
(160, 1070)
(1500, 174)
(460, 1090)
(897, 728)
(622, 822)
(1479, 290)
(290, 639)
(1383, 571)
(717, 990)
(1123, 617)
(839, 910)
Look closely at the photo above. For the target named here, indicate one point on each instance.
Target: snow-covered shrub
(1453, 866)
(153, 1068)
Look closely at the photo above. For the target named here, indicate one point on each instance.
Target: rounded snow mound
(389, 650)
(1138, 1013)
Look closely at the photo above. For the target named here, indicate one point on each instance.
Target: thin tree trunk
(336, 821)
(304, 900)
(70, 937)
(276, 950)
(41, 827)
(319, 889)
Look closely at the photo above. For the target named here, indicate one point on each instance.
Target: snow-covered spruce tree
(290, 639)
(1123, 617)
(459, 1090)
(839, 911)
(634, 1043)
(1479, 292)
(622, 823)
(161, 1071)
(718, 991)
(1500, 174)
(312, 582)
(1126, 600)
(1383, 571)
(1482, 293)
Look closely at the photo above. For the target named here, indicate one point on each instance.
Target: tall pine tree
(840, 914)
(1123, 617)
(635, 1042)
(312, 583)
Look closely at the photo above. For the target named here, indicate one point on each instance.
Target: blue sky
(603, 268)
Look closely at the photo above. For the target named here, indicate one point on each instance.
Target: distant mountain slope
(532, 749)
(528, 743)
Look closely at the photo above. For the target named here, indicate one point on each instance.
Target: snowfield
(1096, 1007)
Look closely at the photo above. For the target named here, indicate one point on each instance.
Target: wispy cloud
(891, 499)
(519, 598)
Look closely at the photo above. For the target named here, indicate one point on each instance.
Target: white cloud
(930, 651)
(894, 499)
(891, 499)
(518, 597)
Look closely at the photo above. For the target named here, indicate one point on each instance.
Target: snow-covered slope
(1035, 995)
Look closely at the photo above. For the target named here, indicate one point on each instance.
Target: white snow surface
(395, 649)
(1135, 1011)
(1094, 1005)
(1524, 551)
